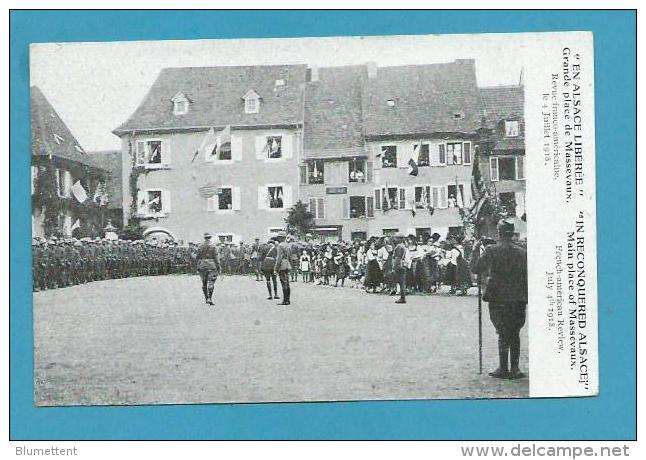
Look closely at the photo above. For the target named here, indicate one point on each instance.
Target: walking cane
(479, 327)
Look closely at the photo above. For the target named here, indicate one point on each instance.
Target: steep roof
(51, 136)
(216, 95)
(110, 160)
(432, 98)
(333, 116)
(503, 102)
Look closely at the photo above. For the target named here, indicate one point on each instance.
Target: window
(280, 82)
(358, 236)
(153, 202)
(316, 172)
(251, 105)
(225, 199)
(422, 232)
(389, 231)
(390, 198)
(506, 168)
(455, 196)
(511, 128)
(389, 156)
(225, 237)
(152, 153)
(225, 152)
(274, 147)
(422, 197)
(317, 207)
(275, 197)
(390, 102)
(180, 107)
(357, 170)
(422, 155)
(508, 202)
(454, 153)
(357, 207)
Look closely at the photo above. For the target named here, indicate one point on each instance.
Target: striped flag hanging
(207, 190)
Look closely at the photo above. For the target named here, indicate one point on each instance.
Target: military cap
(207, 235)
(505, 227)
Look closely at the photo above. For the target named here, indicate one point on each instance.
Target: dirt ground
(153, 340)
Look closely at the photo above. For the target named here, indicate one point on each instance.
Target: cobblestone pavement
(153, 340)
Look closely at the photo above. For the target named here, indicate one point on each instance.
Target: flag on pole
(98, 193)
(208, 145)
(155, 155)
(79, 192)
(76, 224)
(208, 190)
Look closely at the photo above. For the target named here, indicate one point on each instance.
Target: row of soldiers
(60, 262)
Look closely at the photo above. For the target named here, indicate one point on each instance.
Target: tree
(299, 219)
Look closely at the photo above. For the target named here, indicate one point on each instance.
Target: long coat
(282, 257)
(506, 264)
(207, 257)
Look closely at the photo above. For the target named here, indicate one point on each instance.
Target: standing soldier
(283, 267)
(208, 265)
(255, 258)
(506, 292)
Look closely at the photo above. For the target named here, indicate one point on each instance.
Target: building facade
(502, 151)
(215, 149)
(370, 150)
(68, 186)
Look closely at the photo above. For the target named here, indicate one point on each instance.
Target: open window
(389, 156)
(422, 155)
(357, 171)
(507, 168)
(454, 153)
(423, 197)
(275, 196)
(152, 153)
(390, 198)
(316, 172)
(512, 128)
(357, 207)
(225, 199)
(274, 147)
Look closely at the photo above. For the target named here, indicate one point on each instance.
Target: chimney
(313, 73)
(372, 69)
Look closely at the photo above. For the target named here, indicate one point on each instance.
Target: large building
(370, 150)
(68, 186)
(502, 150)
(215, 149)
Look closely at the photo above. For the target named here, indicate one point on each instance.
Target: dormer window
(280, 82)
(180, 104)
(390, 103)
(458, 115)
(511, 128)
(251, 102)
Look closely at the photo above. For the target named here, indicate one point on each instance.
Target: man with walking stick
(506, 292)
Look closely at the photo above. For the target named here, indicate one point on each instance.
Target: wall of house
(434, 175)
(518, 187)
(181, 178)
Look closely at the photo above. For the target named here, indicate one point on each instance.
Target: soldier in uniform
(255, 258)
(506, 291)
(208, 266)
(283, 267)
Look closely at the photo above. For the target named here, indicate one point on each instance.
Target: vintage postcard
(314, 219)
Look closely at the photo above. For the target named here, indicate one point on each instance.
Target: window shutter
(211, 203)
(435, 201)
(287, 146)
(443, 200)
(493, 169)
(370, 206)
(235, 198)
(402, 198)
(142, 202)
(165, 153)
(520, 167)
(369, 171)
(410, 197)
(377, 198)
(236, 148)
(312, 204)
(321, 208)
(261, 144)
(449, 154)
(165, 201)
(346, 207)
(402, 157)
(466, 152)
(287, 196)
(141, 152)
(263, 197)
(303, 174)
(441, 154)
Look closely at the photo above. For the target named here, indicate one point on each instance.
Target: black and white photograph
(312, 219)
